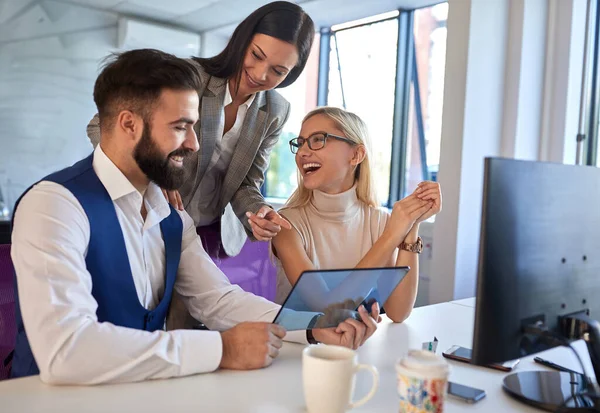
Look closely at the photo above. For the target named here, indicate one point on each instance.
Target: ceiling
(219, 16)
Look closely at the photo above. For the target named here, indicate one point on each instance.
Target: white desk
(278, 389)
(467, 302)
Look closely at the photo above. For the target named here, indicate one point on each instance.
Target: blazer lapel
(251, 134)
(211, 118)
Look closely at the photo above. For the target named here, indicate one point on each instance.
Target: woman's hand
(266, 223)
(405, 214)
(432, 193)
(173, 198)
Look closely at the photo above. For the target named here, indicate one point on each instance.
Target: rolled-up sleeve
(208, 294)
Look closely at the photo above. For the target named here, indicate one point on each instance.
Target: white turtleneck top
(337, 231)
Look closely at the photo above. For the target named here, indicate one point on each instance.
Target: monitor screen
(539, 256)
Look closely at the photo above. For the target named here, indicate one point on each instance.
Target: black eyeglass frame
(297, 143)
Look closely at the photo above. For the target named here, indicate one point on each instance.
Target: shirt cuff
(296, 336)
(296, 320)
(201, 351)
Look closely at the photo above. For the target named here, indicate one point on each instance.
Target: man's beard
(155, 165)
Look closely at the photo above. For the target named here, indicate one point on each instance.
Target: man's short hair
(134, 80)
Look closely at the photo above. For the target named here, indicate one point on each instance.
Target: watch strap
(416, 247)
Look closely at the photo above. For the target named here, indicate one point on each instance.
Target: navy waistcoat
(112, 282)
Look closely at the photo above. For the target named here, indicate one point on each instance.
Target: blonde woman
(334, 213)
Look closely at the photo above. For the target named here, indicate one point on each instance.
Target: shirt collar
(229, 99)
(118, 186)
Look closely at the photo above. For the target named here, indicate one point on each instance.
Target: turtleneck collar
(337, 207)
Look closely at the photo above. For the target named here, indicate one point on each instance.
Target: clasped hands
(409, 212)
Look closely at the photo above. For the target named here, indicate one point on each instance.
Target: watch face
(416, 247)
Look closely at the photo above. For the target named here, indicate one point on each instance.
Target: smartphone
(465, 393)
(464, 354)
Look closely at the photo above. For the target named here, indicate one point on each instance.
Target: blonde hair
(355, 130)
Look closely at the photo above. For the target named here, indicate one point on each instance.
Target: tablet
(325, 298)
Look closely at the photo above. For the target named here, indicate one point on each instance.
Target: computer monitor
(539, 259)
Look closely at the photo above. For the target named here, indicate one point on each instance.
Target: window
(362, 74)
(281, 177)
(425, 112)
(363, 71)
(592, 146)
(389, 70)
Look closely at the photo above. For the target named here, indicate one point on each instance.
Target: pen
(554, 365)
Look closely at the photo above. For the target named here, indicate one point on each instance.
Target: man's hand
(266, 223)
(173, 198)
(249, 346)
(351, 333)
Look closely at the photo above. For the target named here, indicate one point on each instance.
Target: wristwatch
(309, 334)
(310, 338)
(417, 247)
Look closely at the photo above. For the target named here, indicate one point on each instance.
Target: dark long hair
(281, 19)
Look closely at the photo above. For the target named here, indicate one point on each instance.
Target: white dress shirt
(49, 246)
(209, 192)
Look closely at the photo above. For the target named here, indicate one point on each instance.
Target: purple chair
(252, 269)
(8, 327)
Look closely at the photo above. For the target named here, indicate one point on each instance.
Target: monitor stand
(549, 390)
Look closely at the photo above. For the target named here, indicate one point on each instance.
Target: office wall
(513, 71)
(50, 55)
(49, 59)
(212, 44)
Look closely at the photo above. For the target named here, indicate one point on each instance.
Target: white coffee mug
(328, 375)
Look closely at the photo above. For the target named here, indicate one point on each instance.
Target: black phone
(465, 393)
(464, 354)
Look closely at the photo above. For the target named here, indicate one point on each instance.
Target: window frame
(593, 104)
(406, 76)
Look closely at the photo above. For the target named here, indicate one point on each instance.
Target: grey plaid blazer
(241, 189)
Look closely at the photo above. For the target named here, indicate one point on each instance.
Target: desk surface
(278, 389)
(467, 302)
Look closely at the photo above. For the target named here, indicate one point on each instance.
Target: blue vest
(112, 283)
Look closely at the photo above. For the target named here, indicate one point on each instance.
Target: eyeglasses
(316, 141)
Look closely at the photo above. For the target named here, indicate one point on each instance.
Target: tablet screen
(325, 298)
